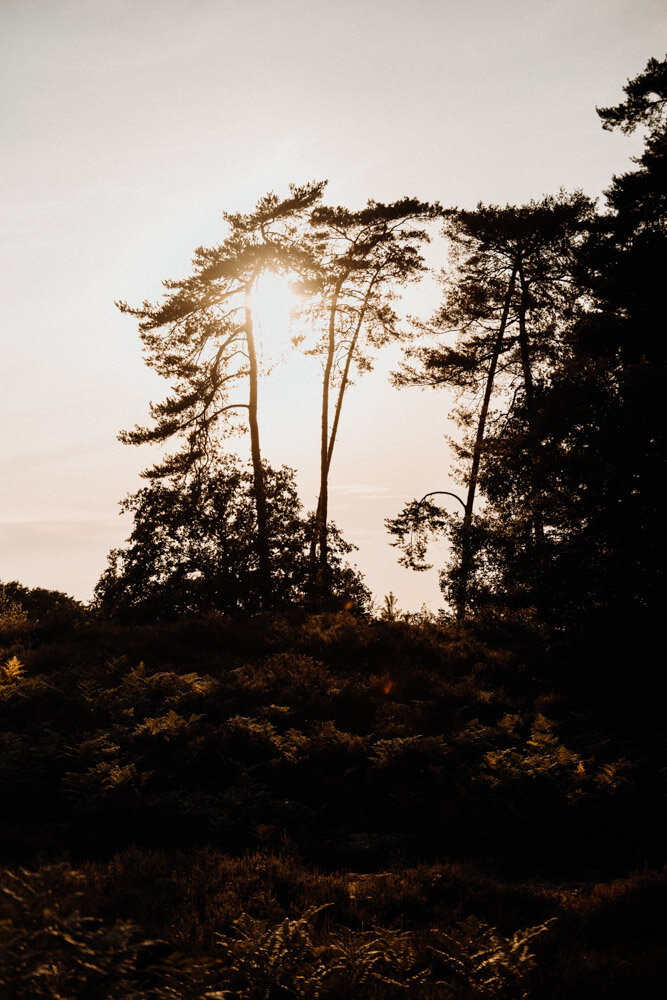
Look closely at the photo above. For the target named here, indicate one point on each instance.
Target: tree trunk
(466, 547)
(536, 516)
(331, 438)
(524, 348)
(320, 532)
(258, 471)
(346, 370)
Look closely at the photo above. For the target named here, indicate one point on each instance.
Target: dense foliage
(593, 454)
(201, 337)
(559, 319)
(192, 549)
(430, 789)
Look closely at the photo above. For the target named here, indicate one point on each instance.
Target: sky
(130, 126)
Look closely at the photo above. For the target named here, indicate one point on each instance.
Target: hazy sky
(129, 127)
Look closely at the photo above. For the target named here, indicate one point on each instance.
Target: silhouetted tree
(201, 338)
(508, 292)
(364, 257)
(192, 549)
(588, 455)
(644, 104)
(613, 449)
(39, 605)
(603, 409)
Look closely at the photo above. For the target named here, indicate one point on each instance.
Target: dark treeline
(227, 778)
(560, 365)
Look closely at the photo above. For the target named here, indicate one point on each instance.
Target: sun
(273, 305)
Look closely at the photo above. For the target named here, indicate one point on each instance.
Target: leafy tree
(625, 259)
(507, 292)
(192, 549)
(38, 603)
(201, 338)
(364, 256)
(645, 102)
(617, 356)
(588, 457)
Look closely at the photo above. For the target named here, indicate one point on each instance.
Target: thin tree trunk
(346, 371)
(320, 529)
(466, 547)
(323, 503)
(258, 471)
(524, 348)
(331, 438)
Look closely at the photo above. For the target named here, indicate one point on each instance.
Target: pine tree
(364, 256)
(201, 338)
(508, 290)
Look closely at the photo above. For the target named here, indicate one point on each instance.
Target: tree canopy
(201, 338)
(192, 549)
(550, 331)
(568, 465)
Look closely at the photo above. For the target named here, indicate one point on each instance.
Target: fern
(50, 952)
(12, 671)
(259, 960)
(380, 957)
(477, 956)
(167, 726)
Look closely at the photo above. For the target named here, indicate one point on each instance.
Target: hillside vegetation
(272, 807)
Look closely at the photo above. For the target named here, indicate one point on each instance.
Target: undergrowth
(320, 807)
